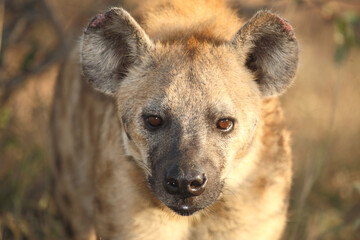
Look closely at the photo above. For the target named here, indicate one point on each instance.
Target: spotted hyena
(184, 137)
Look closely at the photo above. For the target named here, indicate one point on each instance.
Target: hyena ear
(267, 46)
(112, 43)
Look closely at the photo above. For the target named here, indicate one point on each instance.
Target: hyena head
(189, 108)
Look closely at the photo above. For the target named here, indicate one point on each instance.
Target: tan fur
(208, 20)
(100, 175)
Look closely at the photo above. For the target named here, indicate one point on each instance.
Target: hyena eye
(154, 121)
(225, 124)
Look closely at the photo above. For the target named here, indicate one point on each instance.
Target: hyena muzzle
(184, 137)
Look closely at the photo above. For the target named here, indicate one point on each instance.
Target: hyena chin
(184, 137)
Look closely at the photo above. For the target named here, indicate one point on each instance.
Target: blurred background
(322, 109)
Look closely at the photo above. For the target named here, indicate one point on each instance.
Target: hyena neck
(174, 20)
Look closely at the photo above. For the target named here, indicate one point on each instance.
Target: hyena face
(189, 108)
(190, 122)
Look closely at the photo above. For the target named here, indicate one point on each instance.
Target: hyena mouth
(190, 205)
(184, 210)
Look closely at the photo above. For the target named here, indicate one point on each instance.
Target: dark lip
(184, 210)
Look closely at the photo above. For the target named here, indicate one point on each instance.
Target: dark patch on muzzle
(182, 179)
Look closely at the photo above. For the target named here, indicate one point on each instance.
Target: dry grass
(324, 118)
(322, 111)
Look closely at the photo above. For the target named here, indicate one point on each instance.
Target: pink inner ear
(98, 20)
(288, 27)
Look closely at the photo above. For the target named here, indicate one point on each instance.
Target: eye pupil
(224, 124)
(154, 121)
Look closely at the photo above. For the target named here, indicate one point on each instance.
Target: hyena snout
(185, 181)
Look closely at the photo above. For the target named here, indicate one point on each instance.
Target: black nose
(185, 180)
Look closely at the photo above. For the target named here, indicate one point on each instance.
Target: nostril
(171, 185)
(198, 182)
(197, 186)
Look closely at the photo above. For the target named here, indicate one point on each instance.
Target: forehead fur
(180, 19)
(195, 75)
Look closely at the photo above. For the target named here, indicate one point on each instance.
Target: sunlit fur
(189, 62)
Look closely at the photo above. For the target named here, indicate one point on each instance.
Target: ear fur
(112, 43)
(267, 46)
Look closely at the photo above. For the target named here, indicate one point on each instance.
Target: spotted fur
(190, 63)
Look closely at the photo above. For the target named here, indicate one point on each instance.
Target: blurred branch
(348, 3)
(16, 31)
(15, 83)
(51, 16)
(24, 17)
(322, 7)
(2, 12)
(345, 16)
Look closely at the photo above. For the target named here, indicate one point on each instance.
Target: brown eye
(154, 121)
(225, 124)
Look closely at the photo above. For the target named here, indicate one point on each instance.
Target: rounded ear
(111, 44)
(267, 46)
